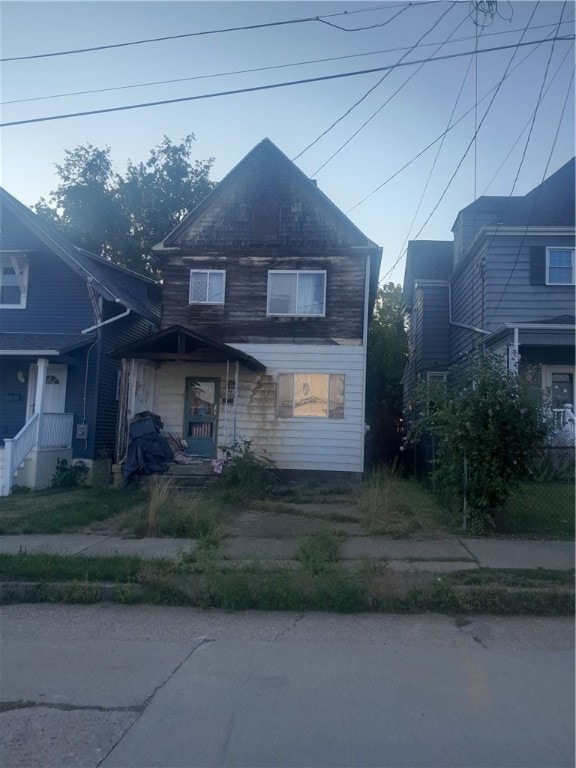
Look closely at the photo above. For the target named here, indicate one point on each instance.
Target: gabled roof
(112, 281)
(176, 342)
(426, 260)
(266, 158)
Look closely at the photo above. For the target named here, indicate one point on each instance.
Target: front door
(201, 416)
(54, 392)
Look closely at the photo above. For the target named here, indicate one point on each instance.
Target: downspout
(461, 325)
(236, 377)
(106, 322)
(365, 363)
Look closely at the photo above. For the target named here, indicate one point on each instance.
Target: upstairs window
(560, 266)
(13, 282)
(207, 286)
(297, 293)
(319, 395)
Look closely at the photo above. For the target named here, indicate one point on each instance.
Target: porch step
(185, 475)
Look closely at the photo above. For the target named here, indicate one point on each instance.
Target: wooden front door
(201, 416)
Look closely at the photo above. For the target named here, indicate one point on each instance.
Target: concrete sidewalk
(436, 555)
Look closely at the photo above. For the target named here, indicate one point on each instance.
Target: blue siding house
(62, 310)
(505, 284)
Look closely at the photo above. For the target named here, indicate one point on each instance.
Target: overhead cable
(262, 69)
(470, 144)
(164, 38)
(380, 108)
(272, 86)
(372, 88)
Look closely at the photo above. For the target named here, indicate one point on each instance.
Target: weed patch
(319, 550)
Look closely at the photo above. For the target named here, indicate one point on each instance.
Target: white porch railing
(564, 423)
(46, 430)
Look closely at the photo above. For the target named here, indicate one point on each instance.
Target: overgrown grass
(175, 513)
(56, 511)
(390, 506)
(47, 567)
(208, 583)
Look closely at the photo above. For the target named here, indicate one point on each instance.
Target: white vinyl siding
(207, 286)
(301, 443)
(297, 293)
(560, 266)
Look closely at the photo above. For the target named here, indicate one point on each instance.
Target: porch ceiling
(46, 344)
(178, 343)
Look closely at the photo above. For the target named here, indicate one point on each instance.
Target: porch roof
(178, 343)
(42, 344)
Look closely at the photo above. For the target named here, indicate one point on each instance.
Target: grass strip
(208, 584)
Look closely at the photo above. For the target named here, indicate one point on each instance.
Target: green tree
(489, 427)
(387, 349)
(123, 217)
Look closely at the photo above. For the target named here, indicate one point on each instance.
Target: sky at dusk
(525, 127)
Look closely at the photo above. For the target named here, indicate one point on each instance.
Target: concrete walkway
(437, 555)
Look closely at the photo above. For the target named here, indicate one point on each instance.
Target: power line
(263, 69)
(527, 124)
(272, 86)
(145, 41)
(381, 107)
(369, 91)
(456, 102)
(521, 163)
(470, 144)
(437, 139)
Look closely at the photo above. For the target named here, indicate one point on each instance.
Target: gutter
(461, 325)
(106, 322)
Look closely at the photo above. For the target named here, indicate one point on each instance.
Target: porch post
(40, 385)
(235, 402)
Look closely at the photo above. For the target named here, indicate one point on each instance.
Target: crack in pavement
(291, 626)
(9, 706)
(200, 641)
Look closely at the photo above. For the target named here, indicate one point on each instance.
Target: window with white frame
(297, 292)
(13, 281)
(319, 395)
(560, 266)
(207, 286)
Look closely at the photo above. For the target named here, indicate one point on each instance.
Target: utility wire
(470, 144)
(257, 88)
(381, 107)
(200, 34)
(527, 124)
(369, 91)
(437, 139)
(515, 143)
(426, 185)
(261, 69)
(521, 163)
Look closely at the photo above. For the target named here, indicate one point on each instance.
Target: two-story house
(504, 284)
(62, 310)
(267, 294)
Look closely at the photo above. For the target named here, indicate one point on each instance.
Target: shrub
(487, 434)
(69, 476)
(247, 473)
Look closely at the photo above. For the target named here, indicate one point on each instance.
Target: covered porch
(35, 428)
(545, 354)
(192, 383)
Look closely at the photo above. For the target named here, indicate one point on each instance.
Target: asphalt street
(122, 686)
